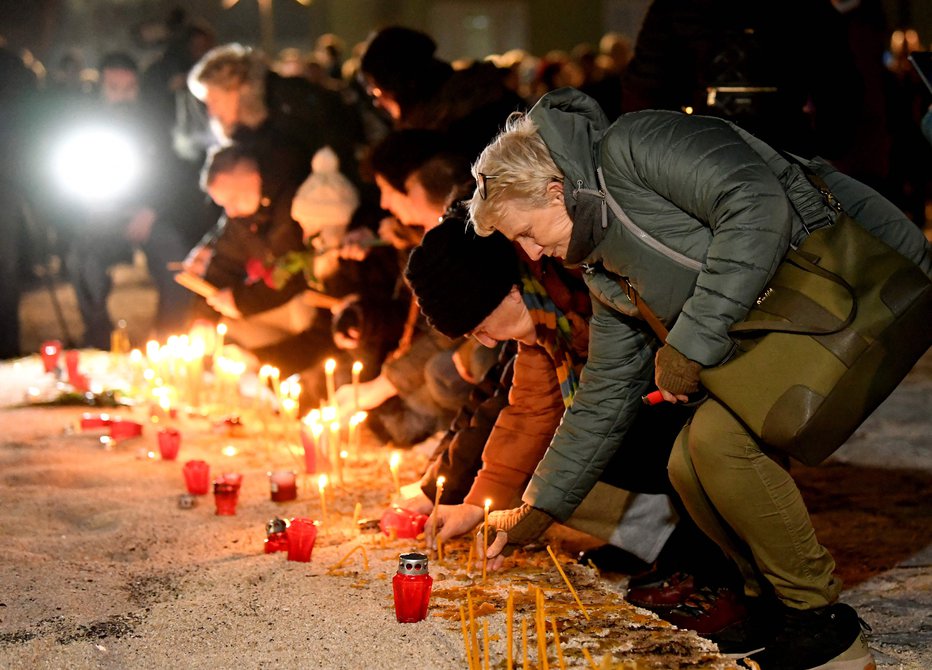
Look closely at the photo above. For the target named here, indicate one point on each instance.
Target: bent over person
(697, 214)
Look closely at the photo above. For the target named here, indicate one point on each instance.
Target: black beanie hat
(458, 277)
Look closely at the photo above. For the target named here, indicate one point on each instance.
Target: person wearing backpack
(697, 215)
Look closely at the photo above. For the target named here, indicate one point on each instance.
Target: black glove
(675, 373)
(523, 524)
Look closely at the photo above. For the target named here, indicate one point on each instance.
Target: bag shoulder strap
(655, 323)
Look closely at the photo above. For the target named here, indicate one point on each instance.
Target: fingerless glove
(676, 373)
(523, 524)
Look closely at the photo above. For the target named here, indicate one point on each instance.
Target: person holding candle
(508, 300)
(426, 380)
(562, 182)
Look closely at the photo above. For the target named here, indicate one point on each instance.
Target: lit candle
(509, 627)
(357, 513)
(330, 366)
(440, 482)
(393, 463)
(221, 332)
(356, 432)
(344, 454)
(357, 369)
(334, 446)
(322, 489)
(276, 376)
(485, 537)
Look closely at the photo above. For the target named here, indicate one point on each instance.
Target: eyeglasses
(481, 184)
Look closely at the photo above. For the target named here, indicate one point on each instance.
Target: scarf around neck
(553, 334)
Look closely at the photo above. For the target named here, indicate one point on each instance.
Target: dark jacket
(265, 236)
(697, 214)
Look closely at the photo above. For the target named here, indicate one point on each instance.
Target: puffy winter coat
(697, 214)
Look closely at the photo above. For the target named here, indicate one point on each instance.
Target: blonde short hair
(516, 168)
(227, 67)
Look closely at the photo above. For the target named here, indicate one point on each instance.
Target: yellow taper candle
(567, 580)
(330, 366)
(485, 538)
(322, 489)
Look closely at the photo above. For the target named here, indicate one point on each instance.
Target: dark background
(462, 28)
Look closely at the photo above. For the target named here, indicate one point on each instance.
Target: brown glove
(675, 373)
(523, 524)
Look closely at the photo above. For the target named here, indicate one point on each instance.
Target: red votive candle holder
(302, 533)
(411, 587)
(50, 352)
(122, 430)
(226, 495)
(196, 477)
(276, 535)
(93, 421)
(283, 485)
(405, 523)
(169, 443)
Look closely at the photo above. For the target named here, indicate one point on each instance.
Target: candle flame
(328, 414)
(229, 450)
(322, 483)
(221, 329)
(394, 461)
(344, 454)
(330, 365)
(441, 480)
(488, 504)
(357, 367)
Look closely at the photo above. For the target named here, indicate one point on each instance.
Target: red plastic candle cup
(94, 421)
(283, 485)
(72, 360)
(301, 536)
(276, 536)
(406, 524)
(169, 443)
(411, 587)
(196, 477)
(225, 498)
(50, 351)
(122, 430)
(232, 478)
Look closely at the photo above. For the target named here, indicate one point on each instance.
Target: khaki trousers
(750, 506)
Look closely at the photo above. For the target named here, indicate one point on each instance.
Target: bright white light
(96, 164)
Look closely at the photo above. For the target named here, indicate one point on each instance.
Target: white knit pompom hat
(326, 198)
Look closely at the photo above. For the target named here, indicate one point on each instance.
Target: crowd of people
(449, 225)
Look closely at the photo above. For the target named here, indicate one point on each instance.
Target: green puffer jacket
(697, 214)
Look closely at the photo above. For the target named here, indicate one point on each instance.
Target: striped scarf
(553, 334)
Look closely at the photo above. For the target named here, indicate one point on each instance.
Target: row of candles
(175, 372)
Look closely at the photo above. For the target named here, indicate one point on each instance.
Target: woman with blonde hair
(695, 215)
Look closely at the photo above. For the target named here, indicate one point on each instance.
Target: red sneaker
(660, 591)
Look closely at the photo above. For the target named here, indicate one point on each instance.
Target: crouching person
(467, 284)
(696, 215)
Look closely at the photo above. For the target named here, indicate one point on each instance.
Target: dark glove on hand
(675, 373)
(523, 524)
